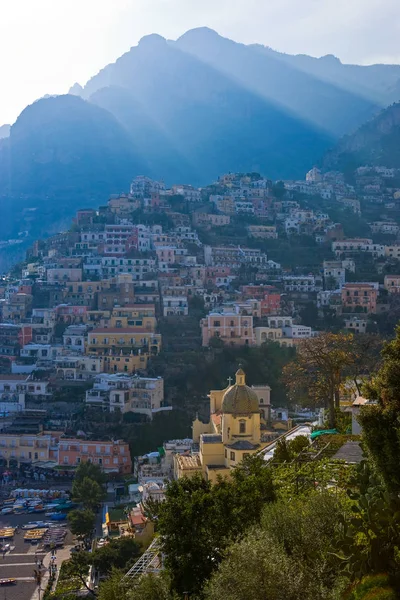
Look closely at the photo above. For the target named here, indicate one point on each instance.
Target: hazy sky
(47, 45)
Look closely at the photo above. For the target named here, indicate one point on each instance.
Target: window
(242, 426)
(217, 323)
(66, 460)
(232, 456)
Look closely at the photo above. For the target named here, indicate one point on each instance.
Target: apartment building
(24, 448)
(392, 284)
(74, 338)
(233, 256)
(263, 232)
(63, 275)
(359, 297)
(334, 271)
(202, 219)
(78, 368)
(133, 315)
(12, 337)
(393, 251)
(301, 283)
(120, 239)
(23, 383)
(231, 328)
(116, 292)
(108, 340)
(138, 266)
(350, 246)
(111, 456)
(18, 308)
(175, 305)
(356, 325)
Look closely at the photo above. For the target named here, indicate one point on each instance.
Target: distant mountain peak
(331, 58)
(203, 33)
(153, 39)
(76, 90)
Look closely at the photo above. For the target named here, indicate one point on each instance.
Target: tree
(370, 540)
(291, 551)
(258, 568)
(91, 470)
(117, 554)
(114, 587)
(281, 453)
(381, 422)
(319, 369)
(198, 520)
(78, 567)
(153, 587)
(87, 492)
(81, 523)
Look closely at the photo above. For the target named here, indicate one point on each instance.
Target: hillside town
(87, 305)
(93, 319)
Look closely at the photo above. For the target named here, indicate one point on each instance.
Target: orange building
(359, 297)
(231, 328)
(110, 456)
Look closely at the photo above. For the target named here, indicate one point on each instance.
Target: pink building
(111, 456)
(359, 297)
(230, 328)
(217, 274)
(65, 313)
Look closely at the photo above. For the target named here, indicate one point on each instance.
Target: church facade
(237, 414)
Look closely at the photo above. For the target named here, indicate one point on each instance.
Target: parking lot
(19, 563)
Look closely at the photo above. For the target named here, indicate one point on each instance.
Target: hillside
(204, 104)
(62, 152)
(376, 143)
(192, 122)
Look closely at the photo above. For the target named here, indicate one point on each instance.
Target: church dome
(240, 399)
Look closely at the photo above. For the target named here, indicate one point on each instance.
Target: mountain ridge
(375, 143)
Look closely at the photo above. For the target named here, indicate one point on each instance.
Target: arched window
(242, 426)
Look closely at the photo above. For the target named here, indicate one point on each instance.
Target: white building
(175, 305)
(301, 283)
(74, 338)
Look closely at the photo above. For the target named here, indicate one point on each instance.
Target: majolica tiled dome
(240, 399)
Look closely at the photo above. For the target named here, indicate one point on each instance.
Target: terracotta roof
(216, 418)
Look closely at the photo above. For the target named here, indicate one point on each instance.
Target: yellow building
(24, 448)
(123, 349)
(134, 316)
(104, 340)
(234, 431)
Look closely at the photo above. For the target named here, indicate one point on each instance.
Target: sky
(47, 45)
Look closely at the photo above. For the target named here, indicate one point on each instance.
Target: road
(19, 563)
